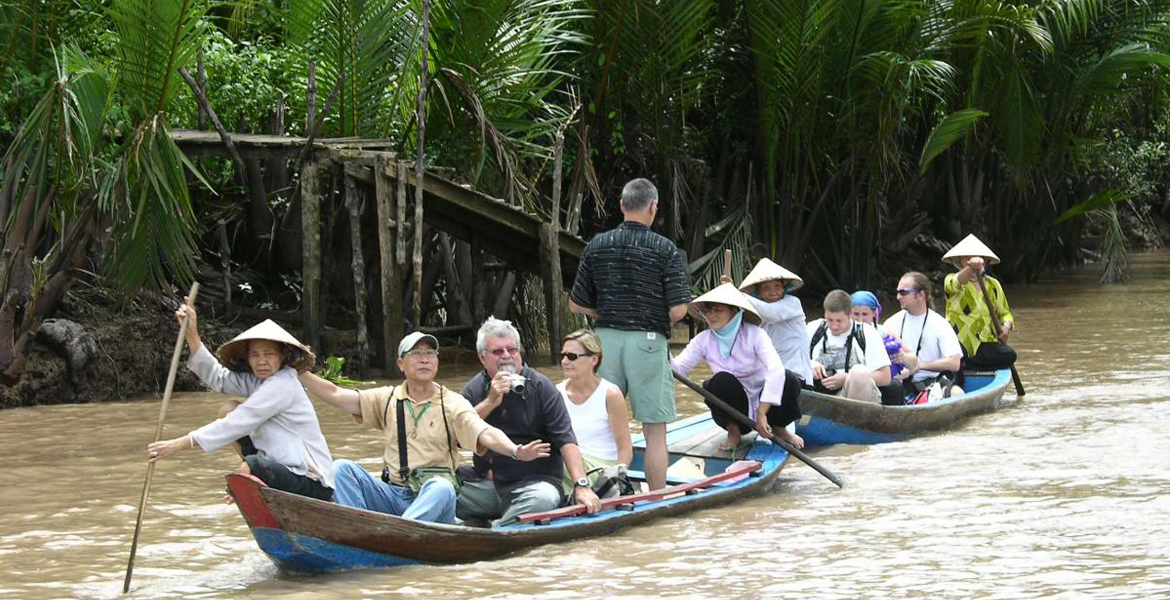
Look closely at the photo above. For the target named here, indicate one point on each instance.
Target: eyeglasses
(428, 353)
(503, 351)
(709, 308)
(908, 292)
(574, 355)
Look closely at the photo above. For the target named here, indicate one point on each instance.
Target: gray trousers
(479, 500)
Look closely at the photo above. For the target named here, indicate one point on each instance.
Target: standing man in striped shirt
(634, 282)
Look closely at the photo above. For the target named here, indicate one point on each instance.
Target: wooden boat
(828, 419)
(307, 535)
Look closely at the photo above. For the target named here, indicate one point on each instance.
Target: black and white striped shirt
(632, 276)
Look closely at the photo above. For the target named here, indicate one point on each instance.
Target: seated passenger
(967, 310)
(596, 407)
(275, 429)
(768, 288)
(936, 348)
(848, 359)
(422, 421)
(867, 309)
(748, 374)
(527, 406)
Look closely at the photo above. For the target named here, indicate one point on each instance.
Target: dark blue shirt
(537, 414)
(632, 276)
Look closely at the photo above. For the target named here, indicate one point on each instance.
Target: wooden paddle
(727, 263)
(744, 421)
(162, 417)
(996, 324)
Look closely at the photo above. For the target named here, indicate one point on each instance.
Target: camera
(517, 382)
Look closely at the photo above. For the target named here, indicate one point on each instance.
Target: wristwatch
(582, 482)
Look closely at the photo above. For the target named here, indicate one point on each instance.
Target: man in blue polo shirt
(634, 282)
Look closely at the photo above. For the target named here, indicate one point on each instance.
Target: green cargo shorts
(638, 362)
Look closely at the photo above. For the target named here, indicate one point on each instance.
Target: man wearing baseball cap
(423, 422)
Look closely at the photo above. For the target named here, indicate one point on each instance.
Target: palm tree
(66, 182)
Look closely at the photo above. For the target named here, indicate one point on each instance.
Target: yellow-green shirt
(967, 311)
(426, 445)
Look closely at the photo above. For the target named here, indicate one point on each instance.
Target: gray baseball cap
(410, 341)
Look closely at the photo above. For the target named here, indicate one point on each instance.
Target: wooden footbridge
(506, 231)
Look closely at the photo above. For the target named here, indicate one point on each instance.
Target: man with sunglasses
(423, 422)
(935, 345)
(525, 405)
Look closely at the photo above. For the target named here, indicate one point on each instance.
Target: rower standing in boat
(748, 374)
(422, 421)
(523, 403)
(275, 430)
(967, 310)
(634, 282)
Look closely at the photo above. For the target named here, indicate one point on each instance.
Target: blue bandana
(725, 336)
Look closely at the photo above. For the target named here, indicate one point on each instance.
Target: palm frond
(155, 38)
(950, 130)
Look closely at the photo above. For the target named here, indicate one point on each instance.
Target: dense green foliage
(832, 135)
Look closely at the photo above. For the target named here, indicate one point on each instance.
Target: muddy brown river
(1064, 495)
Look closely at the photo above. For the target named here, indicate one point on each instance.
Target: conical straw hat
(970, 246)
(727, 294)
(766, 270)
(268, 330)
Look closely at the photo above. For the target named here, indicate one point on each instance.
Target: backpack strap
(860, 336)
(818, 335)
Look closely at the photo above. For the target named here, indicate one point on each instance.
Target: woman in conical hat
(768, 288)
(748, 374)
(275, 429)
(984, 348)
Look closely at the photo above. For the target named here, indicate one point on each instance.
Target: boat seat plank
(670, 480)
(738, 470)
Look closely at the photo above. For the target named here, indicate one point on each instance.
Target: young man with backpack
(848, 358)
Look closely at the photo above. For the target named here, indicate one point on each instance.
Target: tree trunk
(353, 203)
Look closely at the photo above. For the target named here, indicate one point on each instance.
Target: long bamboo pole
(162, 418)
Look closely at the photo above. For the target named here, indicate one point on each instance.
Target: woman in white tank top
(596, 406)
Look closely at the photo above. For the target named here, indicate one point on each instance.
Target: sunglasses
(503, 351)
(908, 292)
(574, 355)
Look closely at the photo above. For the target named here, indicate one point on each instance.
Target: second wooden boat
(829, 420)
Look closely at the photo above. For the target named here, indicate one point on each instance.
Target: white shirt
(277, 414)
(830, 351)
(929, 335)
(783, 321)
(591, 421)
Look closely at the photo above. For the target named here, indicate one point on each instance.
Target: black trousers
(989, 357)
(278, 476)
(728, 389)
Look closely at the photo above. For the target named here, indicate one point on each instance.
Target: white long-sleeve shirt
(277, 414)
(785, 324)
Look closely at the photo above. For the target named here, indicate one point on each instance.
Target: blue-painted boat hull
(829, 420)
(311, 536)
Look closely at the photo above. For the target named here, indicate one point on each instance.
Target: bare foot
(783, 433)
(732, 441)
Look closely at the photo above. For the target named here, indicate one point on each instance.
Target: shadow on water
(1062, 495)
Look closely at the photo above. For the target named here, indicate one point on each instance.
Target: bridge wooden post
(550, 260)
(353, 204)
(311, 253)
(392, 317)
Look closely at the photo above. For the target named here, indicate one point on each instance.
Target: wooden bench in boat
(735, 471)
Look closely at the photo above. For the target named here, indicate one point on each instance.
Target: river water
(1066, 494)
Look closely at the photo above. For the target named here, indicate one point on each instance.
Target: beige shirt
(426, 443)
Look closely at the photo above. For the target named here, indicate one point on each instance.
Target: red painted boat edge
(246, 490)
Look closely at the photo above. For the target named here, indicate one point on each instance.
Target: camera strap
(403, 467)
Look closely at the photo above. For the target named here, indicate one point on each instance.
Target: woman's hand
(164, 448)
(762, 427)
(188, 311)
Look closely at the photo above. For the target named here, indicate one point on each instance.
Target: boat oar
(744, 421)
(996, 323)
(162, 417)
